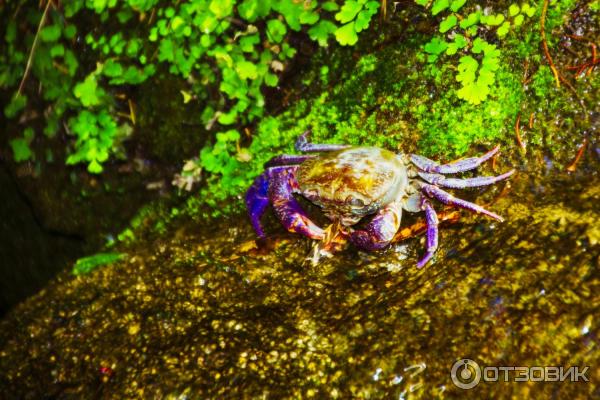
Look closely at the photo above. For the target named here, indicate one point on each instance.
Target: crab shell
(352, 183)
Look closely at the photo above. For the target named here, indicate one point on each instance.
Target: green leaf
(364, 17)
(250, 10)
(460, 42)
(50, 33)
(271, 79)
(228, 118)
(58, 50)
(308, 17)
(513, 10)
(112, 68)
(346, 35)
(124, 15)
(11, 32)
(349, 11)
(492, 20)
(247, 43)
(287, 51)
(21, 150)
(471, 20)
(221, 8)
(479, 45)
(321, 32)
(276, 30)
(472, 30)
(71, 62)
(467, 67)
(476, 86)
(70, 31)
(207, 22)
(422, 2)
(86, 264)
(330, 6)
(100, 5)
(518, 21)
(17, 103)
(133, 47)
(503, 29)
(177, 22)
(166, 50)
(88, 92)
(206, 40)
(94, 167)
(72, 7)
(457, 5)
(246, 70)
(434, 48)
(448, 23)
(528, 10)
(291, 11)
(52, 121)
(28, 134)
(96, 133)
(439, 6)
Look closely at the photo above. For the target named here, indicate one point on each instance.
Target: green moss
(87, 264)
(454, 125)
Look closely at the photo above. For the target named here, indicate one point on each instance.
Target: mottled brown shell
(353, 182)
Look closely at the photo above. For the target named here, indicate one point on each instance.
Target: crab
(353, 183)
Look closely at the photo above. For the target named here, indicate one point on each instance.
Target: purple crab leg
(257, 200)
(281, 188)
(427, 165)
(446, 198)
(287, 159)
(303, 145)
(432, 232)
(441, 180)
(380, 231)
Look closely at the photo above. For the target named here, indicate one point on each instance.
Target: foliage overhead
(227, 51)
(479, 59)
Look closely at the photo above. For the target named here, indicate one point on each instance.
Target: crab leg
(447, 198)
(287, 159)
(454, 167)
(257, 201)
(281, 188)
(432, 232)
(441, 180)
(303, 145)
(380, 231)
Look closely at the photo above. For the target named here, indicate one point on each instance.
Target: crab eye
(355, 201)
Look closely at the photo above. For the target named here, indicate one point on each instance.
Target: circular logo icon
(465, 373)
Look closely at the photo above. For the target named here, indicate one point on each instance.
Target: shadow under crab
(351, 183)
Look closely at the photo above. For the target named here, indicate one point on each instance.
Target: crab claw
(285, 206)
(380, 231)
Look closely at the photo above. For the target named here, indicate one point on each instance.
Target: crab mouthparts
(344, 218)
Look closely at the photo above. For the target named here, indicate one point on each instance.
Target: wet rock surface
(196, 314)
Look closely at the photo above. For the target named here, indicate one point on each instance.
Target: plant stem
(33, 47)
